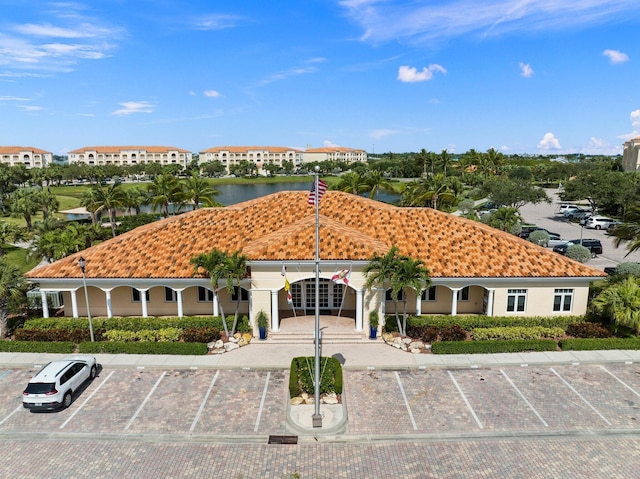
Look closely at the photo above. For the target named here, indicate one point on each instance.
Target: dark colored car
(594, 245)
(527, 230)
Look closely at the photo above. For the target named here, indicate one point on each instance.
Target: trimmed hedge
(37, 347)
(301, 377)
(518, 332)
(481, 321)
(112, 347)
(164, 335)
(487, 347)
(592, 344)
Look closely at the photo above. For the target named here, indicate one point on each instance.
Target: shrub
(628, 268)
(592, 344)
(481, 321)
(205, 334)
(302, 375)
(453, 333)
(145, 335)
(588, 330)
(579, 253)
(423, 332)
(513, 333)
(37, 347)
(131, 323)
(390, 324)
(489, 347)
(113, 347)
(539, 237)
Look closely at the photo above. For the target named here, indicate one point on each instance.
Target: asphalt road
(547, 216)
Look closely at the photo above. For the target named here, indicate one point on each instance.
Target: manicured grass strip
(112, 347)
(489, 347)
(37, 347)
(591, 344)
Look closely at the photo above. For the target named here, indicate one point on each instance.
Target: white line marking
(464, 398)
(264, 396)
(204, 401)
(621, 382)
(524, 398)
(406, 402)
(133, 418)
(86, 400)
(5, 373)
(580, 396)
(11, 414)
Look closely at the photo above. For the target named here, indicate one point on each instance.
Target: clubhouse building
(474, 268)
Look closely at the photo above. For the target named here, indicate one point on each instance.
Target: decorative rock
(237, 335)
(219, 351)
(331, 398)
(296, 401)
(428, 346)
(416, 350)
(242, 342)
(396, 345)
(407, 340)
(219, 344)
(403, 347)
(234, 339)
(397, 340)
(416, 345)
(388, 337)
(304, 396)
(230, 346)
(309, 401)
(247, 338)
(211, 345)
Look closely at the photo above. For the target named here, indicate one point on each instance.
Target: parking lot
(210, 404)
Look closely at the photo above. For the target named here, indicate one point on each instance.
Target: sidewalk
(353, 356)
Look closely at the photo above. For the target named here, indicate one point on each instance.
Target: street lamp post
(82, 263)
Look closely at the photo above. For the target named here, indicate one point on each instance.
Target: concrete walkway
(374, 355)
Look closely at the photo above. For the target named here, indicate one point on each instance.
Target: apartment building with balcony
(25, 155)
(130, 155)
(231, 156)
(335, 153)
(631, 155)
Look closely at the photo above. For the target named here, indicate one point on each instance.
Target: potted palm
(263, 324)
(374, 321)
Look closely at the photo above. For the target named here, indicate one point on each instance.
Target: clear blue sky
(537, 76)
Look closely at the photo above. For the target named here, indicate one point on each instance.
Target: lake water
(232, 194)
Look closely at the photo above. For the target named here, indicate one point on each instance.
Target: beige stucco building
(474, 269)
(336, 153)
(231, 156)
(631, 155)
(25, 155)
(130, 155)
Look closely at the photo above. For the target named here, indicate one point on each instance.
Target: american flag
(322, 187)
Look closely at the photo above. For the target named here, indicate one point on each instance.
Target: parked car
(54, 385)
(613, 225)
(577, 213)
(566, 206)
(598, 222)
(555, 240)
(594, 245)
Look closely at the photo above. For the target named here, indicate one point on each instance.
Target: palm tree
(199, 191)
(505, 218)
(12, 286)
(495, 160)
(351, 182)
(165, 189)
(10, 233)
(235, 269)
(629, 230)
(445, 160)
(380, 270)
(409, 274)
(48, 203)
(25, 204)
(433, 191)
(620, 303)
(375, 181)
(109, 198)
(134, 199)
(214, 264)
(89, 202)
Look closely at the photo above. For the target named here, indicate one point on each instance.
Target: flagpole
(317, 418)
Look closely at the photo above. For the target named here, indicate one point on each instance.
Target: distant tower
(631, 155)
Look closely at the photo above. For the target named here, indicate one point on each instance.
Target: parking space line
(264, 396)
(621, 382)
(133, 418)
(580, 396)
(86, 400)
(524, 398)
(466, 401)
(11, 414)
(5, 373)
(204, 402)
(406, 402)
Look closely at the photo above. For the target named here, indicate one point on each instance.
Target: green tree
(505, 219)
(10, 233)
(351, 182)
(165, 190)
(198, 191)
(375, 181)
(629, 231)
(513, 192)
(214, 265)
(437, 191)
(25, 204)
(379, 271)
(235, 269)
(620, 303)
(109, 198)
(409, 274)
(12, 286)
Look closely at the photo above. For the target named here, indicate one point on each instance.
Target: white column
(359, 308)
(179, 298)
(275, 320)
(143, 300)
(45, 306)
(107, 295)
(418, 303)
(454, 301)
(490, 302)
(74, 304)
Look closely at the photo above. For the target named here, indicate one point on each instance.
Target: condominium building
(631, 155)
(231, 156)
(130, 155)
(25, 155)
(335, 153)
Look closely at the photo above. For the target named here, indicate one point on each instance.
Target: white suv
(54, 385)
(598, 222)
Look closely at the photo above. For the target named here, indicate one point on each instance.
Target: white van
(598, 222)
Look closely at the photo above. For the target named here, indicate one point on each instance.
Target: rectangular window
(562, 299)
(516, 300)
(170, 295)
(338, 294)
(296, 295)
(463, 294)
(135, 295)
(389, 297)
(244, 294)
(311, 295)
(205, 295)
(429, 294)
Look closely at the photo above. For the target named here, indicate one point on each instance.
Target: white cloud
(549, 142)
(635, 118)
(13, 98)
(382, 133)
(424, 21)
(329, 144)
(216, 22)
(526, 70)
(615, 56)
(212, 93)
(30, 108)
(407, 74)
(130, 107)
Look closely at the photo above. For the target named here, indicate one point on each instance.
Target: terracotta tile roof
(281, 227)
(14, 150)
(119, 149)
(247, 149)
(331, 149)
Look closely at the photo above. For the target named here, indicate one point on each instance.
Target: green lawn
(18, 257)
